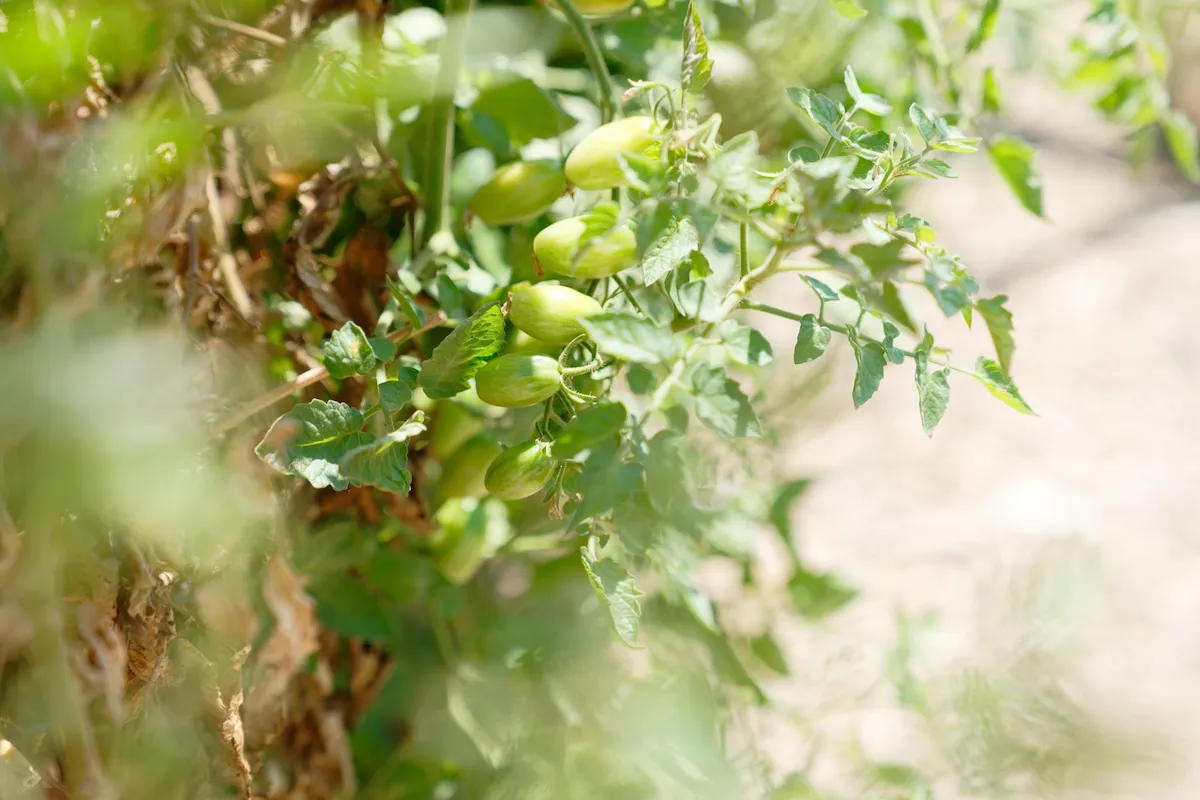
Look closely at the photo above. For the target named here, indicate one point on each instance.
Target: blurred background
(1028, 587)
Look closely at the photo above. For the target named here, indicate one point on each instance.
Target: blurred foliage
(216, 214)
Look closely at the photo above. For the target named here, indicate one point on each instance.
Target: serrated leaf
(871, 103)
(697, 66)
(850, 9)
(1000, 385)
(618, 593)
(1000, 326)
(819, 108)
(768, 652)
(985, 27)
(383, 463)
(925, 125)
(937, 168)
(592, 425)
(1181, 138)
(631, 338)
(811, 341)
(870, 360)
(734, 170)
(606, 481)
(816, 596)
(745, 344)
(674, 243)
(890, 332)
(347, 352)
(1013, 158)
(721, 405)
(310, 440)
(822, 290)
(460, 355)
(933, 389)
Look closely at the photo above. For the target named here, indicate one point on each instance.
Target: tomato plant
(383, 374)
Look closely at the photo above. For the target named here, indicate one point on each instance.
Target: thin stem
(306, 379)
(440, 153)
(244, 30)
(624, 287)
(595, 59)
(744, 244)
(226, 263)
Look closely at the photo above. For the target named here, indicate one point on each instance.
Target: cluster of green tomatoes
(547, 317)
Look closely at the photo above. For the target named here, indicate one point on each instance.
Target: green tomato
(453, 425)
(521, 343)
(551, 312)
(557, 250)
(518, 192)
(513, 381)
(462, 473)
(602, 8)
(520, 471)
(593, 164)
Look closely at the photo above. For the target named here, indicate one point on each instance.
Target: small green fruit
(453, 425)
(557, 250)
(601, 8)
(518, 192)
(521, 343)
(520, 471)
(462, 473)
(513, 381)
(551, 312)
(593, 164)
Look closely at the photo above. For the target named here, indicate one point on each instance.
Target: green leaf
(310, 440)
(617, 591)
(674, 243)
(734, 170)
(890, 332)
(811, 341)
(850, 9)
(991, 92)
(460, 355)
(817, 596)
(525, 110)
(646, 175)
(384, 348)
(347, 352)
(889, 302)
(871, 103)
(924, 122)
(822, 291)
(870, 359)
(347, 606)
(933, 389)
(937, 168)
(745, 344)
(1181, 138)
(416, 317)
(697, 66)
(395, 393)
(383, 463)
(605, 483)
(767, 651)
(781, 506)
(599, 220)
(1000, 326)
(819, 108)
(593, 425)
(631, 338)
(1000, 385)
(938, 133)
(985, 27)
(1014, 160)
(721, 405)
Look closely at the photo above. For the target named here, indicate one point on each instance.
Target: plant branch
(595, 59)
(226, 262)
(244, 30)
(306, 379)
(440, 153)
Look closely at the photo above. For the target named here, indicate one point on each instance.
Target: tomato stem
(595, 59)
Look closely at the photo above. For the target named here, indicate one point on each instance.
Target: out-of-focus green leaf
(618, 593)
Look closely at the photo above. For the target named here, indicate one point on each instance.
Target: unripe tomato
(453, 425)
(593, 164)
(520, 471)
(551, 312)
(513, 381)
(556, 247)
(460, 546)
(522, 343)
(518, 192)
(602, 8)
(462, 473)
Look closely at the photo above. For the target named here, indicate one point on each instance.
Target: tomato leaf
(1181, 138)
(697, 66)
(1000, 326)
(383, 463)
(673, 243)
(870, 358)
(850, 9)
(631, 338)
(933, 389)
(816, 596)
(618, 593)
(1013, 159)
(1000, 385)
(745, 344)
(985, 27)
(811, 341)
(348, 352)
(310, 440)
(871, 103)
(592, 425)
(767, 651)
(721, 405)
(460, 355)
